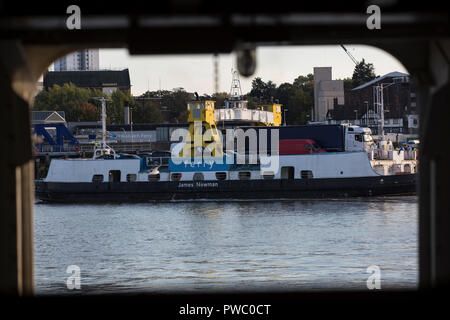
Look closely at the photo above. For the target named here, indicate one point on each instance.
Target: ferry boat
(289, 165)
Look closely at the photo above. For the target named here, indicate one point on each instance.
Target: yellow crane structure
(203, 131)
(203, 116)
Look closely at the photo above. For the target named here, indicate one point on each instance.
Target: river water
(226, 246)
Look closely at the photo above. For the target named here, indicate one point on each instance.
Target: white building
(84, 60)
(327, 92)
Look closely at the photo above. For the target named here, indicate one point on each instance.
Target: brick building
(399, 99)
(105, 80)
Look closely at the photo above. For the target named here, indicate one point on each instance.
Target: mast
(235, 91)
(382, 113)
(379, 101)
(103, 123)
(105, 149)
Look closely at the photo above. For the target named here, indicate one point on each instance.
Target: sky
(195, 73)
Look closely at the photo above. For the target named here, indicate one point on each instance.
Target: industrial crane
(350, 55)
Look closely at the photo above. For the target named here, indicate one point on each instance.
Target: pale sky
(279, 64)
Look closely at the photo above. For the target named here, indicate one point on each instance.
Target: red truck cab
(299, 146)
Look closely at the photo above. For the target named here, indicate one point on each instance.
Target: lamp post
(284, 115)
(356, 115)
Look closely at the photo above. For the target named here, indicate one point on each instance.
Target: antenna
(235, 91)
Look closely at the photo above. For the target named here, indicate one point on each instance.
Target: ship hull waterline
(404, 184)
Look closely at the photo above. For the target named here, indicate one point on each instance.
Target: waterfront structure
(327, 92)
(106, 80)
(300, 168)
(361, 106)
(38, 117)
(83, 60)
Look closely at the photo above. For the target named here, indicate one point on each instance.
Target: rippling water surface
(211, 246)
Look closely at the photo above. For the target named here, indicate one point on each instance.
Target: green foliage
(164, 106)
(296, 97)
(219, 97)
(147, 110)
(363, 72)
(348, 84)
(81, 104)
(262, 90)
(167, 106)
(75, 102)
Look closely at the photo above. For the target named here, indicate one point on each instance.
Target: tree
(297, 98)
(284, 92)
(348, 84)
(262, 90)
(304, 82)
(147, 111)
(220, 97)
(363, 72)
(74, 101)
(88, 112)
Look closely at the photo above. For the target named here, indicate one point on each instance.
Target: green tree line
(80, 104)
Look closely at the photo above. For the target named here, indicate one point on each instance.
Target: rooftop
(394, 74)
(48, 116)
(88, 79)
